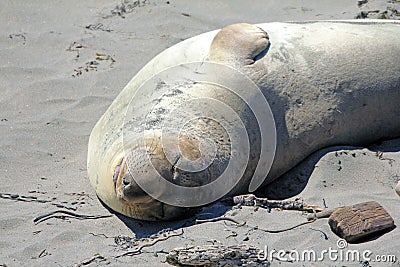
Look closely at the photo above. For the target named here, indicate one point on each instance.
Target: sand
(61, 65)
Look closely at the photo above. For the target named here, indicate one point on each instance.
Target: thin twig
(93, 234)
(322, 232)
(254, 227)
(285, 229)
(198, 221)
(49, 215)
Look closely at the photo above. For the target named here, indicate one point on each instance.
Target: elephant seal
(326, 82)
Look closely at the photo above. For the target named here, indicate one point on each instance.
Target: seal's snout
(148, 164)
(148, 171)
(126, 188)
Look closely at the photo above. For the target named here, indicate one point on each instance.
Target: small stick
(324, 202)
(93, 234)
(322, 232)
(49, 215)
(221, 218)
(42, 253)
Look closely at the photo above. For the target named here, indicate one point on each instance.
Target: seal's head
(152, 162)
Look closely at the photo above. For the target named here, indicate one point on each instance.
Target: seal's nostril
(125, 182)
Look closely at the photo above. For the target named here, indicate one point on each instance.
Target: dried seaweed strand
(139, 249)
(254, 227)
(90, 260)
(17, 197)
(198, 221)
(284, 229)
(49, 215)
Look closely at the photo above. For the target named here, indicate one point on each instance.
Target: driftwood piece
(355, 222)
(216, 255)
(252, 200)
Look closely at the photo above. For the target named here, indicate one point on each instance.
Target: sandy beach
(62, 63)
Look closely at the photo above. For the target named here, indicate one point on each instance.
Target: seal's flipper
(238, 44)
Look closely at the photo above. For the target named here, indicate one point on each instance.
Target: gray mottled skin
(327, 83)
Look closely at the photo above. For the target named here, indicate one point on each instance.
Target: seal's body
(327, 83)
